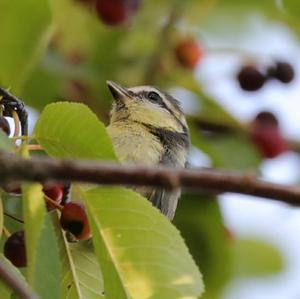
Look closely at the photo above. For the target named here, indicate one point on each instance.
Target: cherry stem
(53, 202)
(17, 123)
(34, 147)
(6, 232)
(13, 217)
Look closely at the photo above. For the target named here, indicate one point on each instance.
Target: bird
(148, 127)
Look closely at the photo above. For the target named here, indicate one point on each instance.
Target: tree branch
(163, 43)
(15, 169)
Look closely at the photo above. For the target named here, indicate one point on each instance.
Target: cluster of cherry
(73, 217)
(252, 78)
(121, 12)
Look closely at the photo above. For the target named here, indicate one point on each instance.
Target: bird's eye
(154, 96)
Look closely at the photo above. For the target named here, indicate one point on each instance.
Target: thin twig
(34, 147)
(53, 202)
(17, 123)
(163, 42)
(15, 283)
(6, 232)
(13, 217)
(15, 168)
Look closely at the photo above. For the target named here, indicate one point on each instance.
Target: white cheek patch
(156, 107)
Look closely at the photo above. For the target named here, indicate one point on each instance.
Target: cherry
(188, 53)
(74, 220)
(14, 249)
(13, 190)
(116, 12)
(265, 134)
(250, 78)
(4, 125)
(55, 192)
(282, 71)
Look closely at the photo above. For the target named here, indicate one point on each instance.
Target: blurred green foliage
(199, 220)
(254, 257)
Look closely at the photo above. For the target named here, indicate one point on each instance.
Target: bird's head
(147, 105)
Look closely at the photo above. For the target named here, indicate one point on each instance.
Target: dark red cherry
(282, 71)
(265, 134)
(13, 189)
(116, 12)
(15, 249)
(74, 220)
(250, 78)
(54, 192)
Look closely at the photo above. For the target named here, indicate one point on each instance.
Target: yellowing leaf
(142, 254)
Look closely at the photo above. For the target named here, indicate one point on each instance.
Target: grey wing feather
(176, 146)
(166, 201)
(163, 199)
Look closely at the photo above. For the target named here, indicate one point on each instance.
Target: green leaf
(199, 219)
(87, 269)
(81, 274)
(23, 25)
(142, 255)
(5, 292)
(34, 215)
(41, 87)
(5, 143)
(13, 206)
(68, 130)
(43, 270)
(253, 257)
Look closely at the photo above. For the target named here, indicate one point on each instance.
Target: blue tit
(147, 127)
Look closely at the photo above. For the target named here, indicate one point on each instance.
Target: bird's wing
(165, 200)
(176, 146)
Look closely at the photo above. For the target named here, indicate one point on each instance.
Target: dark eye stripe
(159, 101)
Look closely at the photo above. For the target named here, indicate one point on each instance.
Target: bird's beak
(119, 92)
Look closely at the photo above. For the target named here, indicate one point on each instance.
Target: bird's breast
(134, 144)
